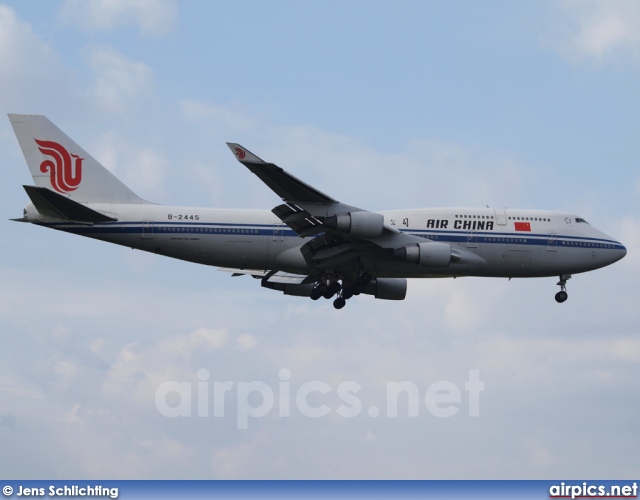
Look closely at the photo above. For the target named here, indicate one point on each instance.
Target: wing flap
(298, 219)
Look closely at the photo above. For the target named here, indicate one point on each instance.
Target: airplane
(311, 245)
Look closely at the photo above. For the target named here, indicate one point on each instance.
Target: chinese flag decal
(523, 226)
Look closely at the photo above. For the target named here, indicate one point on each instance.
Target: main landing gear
(562, 295)
(344, 291)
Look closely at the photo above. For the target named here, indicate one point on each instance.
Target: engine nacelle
(427, 254)
(357, 224)
(387, 288)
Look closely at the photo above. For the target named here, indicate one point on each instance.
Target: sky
(381, 105)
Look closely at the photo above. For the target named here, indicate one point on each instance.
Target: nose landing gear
(562, 295)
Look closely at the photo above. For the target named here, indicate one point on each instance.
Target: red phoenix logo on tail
(240, 153)
(65, 174)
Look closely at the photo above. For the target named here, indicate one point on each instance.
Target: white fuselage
(512, 243)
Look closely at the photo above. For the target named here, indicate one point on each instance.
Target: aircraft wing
(309, 212)
(285, 185)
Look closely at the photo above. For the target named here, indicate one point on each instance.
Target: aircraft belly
(222, 250)
(109, 237)
(522, 261)
(242, 252)
(288, 257)
(392, 269)
(580, 260)
(519, 261)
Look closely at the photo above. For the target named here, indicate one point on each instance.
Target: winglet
(243, 154)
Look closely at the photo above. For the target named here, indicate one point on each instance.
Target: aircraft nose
(613, 251)
(623, 250)
(618, 252)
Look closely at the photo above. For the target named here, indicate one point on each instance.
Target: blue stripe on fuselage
(224, 228)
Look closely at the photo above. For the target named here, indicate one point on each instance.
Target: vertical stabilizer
(56, 162)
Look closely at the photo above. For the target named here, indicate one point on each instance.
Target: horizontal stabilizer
(56, 205)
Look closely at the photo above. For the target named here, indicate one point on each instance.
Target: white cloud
(72, 416)
(226, 118)
(140, 369)
(14, 387)
(112, 407)
(153, 17)
(147, 168)
(17, 39)
(208, 178)
(246, 341)
(65, 371)
(119, 81)
(97, 344)
(344, 166)
(540, 456)
(231, 462)
(626, 349)
(205, 339)
(30, 70)
(463, 310)
(600, 30)
(142, 168)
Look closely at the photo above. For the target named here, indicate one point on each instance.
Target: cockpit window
(579, 219)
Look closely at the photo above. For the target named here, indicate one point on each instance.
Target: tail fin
(56, 162)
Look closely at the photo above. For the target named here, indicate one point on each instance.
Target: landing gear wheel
(347, 293)
(332, 289)
(365, 278)
(561, 297)
(315, 294)
(339, 303)
(321, 287)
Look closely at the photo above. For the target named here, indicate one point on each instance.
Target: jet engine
(427, 254)
(387, 288)
(357, 224)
